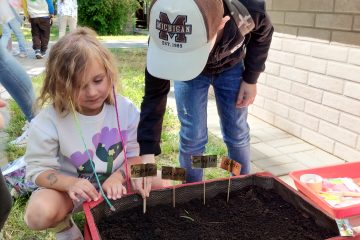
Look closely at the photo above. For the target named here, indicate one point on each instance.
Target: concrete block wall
(311, 85)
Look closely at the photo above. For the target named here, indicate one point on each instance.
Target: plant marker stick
(175, 174)
(204, 162)
(228, 191)
(178, 174)
(150, 171)
(173, 193)
(144, 199)
(232, 167)
(167, 173)
(139, 171)
(203, 178)
(142, 171)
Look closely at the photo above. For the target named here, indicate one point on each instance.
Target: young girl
(83, 127)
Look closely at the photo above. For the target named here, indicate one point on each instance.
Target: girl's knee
(39, 216)
(33, 221)
(46, 208)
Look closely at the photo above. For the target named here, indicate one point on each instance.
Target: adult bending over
(198, 43)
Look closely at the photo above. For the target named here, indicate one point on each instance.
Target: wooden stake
(232, 167)
(173, 193)
(144, 200)
(228, 191)
(203, 178)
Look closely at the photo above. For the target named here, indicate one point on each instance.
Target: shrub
(107, 17)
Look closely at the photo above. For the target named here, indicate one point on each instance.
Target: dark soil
(252, 213)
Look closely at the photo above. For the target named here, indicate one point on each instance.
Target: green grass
(131, 64)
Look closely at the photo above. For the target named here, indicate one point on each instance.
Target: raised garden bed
(260, 207)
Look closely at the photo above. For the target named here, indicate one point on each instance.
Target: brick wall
(311, 86)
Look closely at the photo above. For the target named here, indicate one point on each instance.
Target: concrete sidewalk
(272, 149)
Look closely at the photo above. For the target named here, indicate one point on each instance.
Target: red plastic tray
(351, 170)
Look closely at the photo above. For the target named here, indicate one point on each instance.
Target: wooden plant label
(150, 169)
(204, 161)
(137, 170)
(179, 174)
(230, 165)
(166, 172)
(176, 174)
(143, 170)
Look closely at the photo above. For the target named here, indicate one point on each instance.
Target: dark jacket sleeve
(257, 47)
(152, 113)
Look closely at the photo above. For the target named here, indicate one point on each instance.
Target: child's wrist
(122, 175)
(122, 172)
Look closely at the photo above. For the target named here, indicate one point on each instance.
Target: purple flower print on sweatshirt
(82, 162)
(108, 146)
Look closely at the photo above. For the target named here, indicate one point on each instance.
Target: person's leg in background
(234, 126)
(191, 101)
(6, 36)
(18, 84)
(35, 34)
(9, 45)
(44, 26)
(62, 25)
(16, 28)
(72, 23)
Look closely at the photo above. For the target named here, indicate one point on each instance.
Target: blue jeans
(13, 26)
(16, 81)
(191, 101)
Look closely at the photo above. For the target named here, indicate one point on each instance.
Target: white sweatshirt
(55, 142)
(37, 8)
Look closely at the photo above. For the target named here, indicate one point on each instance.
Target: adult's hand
(138, 184)
(246, 95)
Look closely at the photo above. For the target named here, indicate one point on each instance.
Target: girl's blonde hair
(67, 66)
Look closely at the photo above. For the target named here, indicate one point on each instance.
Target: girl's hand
(113, 186)
(82, 188)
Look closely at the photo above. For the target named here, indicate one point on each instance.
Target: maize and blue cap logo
(177, 28)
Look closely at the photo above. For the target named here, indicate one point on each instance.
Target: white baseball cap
(180, 37)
